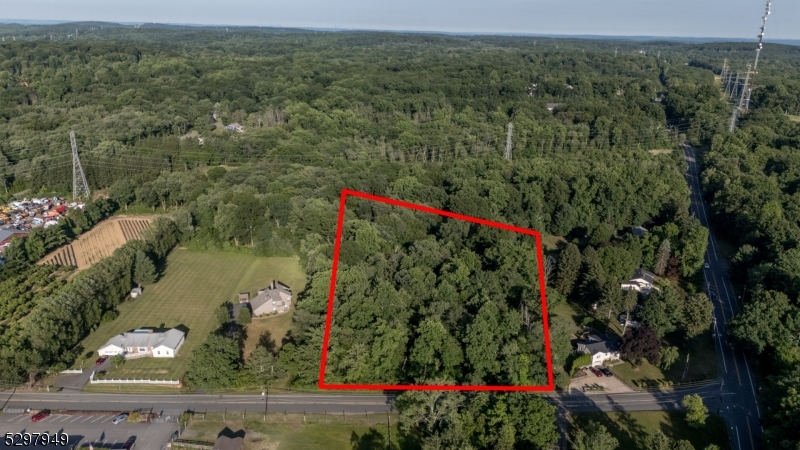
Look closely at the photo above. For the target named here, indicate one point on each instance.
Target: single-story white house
(601, 349)
(642, 281)
(144, 342)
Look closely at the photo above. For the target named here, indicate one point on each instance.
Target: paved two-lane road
(739, 402)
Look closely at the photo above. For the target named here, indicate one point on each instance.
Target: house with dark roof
(275, 299)
(642, 281)
(600, 347)
(639, 231)
(227, 439)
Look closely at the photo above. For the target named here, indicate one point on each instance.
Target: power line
(747, 87)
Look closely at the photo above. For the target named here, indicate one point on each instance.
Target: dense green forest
(423, 119)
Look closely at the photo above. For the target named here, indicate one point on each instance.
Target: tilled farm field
(99, 242)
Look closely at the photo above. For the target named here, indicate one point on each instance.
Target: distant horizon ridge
(694, 39)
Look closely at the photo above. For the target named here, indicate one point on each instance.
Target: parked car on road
(40, 415)
(120, 418)
(706, 266)
(101, 360)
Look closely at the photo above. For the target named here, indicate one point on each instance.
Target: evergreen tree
(214, 364)
(662, 257)
(144, 271)
(264, 366)
(569, 266)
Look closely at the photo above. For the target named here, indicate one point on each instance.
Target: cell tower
(747, 87)
(80, 188)
(507, 154)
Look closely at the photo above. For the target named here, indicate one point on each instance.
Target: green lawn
(193, 286)
(351, 434)
(702, 365)
(632, 428)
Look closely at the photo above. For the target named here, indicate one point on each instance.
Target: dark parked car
(40, 415)
(607, 372)
(101, 360)
(130, 443)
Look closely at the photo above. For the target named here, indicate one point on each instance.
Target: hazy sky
(699, 18)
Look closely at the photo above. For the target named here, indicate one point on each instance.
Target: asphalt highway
(738, 402)
(733, 395)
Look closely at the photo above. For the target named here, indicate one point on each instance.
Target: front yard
(193, 287)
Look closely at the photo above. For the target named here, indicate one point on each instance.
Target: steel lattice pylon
(80, 188)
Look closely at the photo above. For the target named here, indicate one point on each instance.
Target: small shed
(639, 231)
(135, 292)
(552, 106)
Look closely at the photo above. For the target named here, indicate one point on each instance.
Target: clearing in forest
(194, 285)
(427, 299)
(99, 242)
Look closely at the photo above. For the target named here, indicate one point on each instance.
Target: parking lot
(609, 384)
(95, 429)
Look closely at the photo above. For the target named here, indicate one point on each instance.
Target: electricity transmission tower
(747, 87)
(507, 154)
(80, 188)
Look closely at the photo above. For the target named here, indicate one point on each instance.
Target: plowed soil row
(99, 242)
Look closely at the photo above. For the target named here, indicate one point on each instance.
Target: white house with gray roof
(275, 299)
(144, 342)
(642, 281)
(602, 349)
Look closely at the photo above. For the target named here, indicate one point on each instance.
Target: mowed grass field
(192, 288)
(633, 428)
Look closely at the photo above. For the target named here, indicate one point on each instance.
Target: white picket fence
(72, 371)
(134, 381)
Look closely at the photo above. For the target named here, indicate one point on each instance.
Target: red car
(596, 372)
(101, 360)
(40, 415)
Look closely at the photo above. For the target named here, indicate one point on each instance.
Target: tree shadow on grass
(266, 341)
(374, 440)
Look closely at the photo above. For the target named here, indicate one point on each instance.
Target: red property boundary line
(411, 387)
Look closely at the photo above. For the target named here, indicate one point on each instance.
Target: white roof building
(642, 281)
(144, 342)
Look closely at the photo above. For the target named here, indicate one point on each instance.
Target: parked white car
(120, 418)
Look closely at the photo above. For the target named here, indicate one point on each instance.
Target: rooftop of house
(639, 231)
(595, 344)
(276, 292)
(147, 338)
(229, 440)
(6, 233)
(643, 274)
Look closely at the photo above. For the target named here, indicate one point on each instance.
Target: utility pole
(80, 187)
(615, 51)
(735, 87)
(507, 154)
